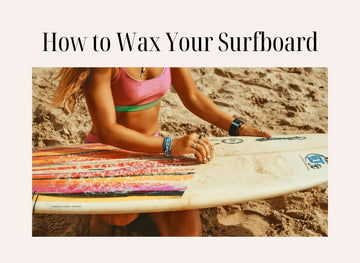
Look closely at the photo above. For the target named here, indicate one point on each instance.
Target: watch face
(237, 121)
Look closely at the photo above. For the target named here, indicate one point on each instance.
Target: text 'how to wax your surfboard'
(221, 42)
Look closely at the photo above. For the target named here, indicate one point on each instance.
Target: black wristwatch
(234, 127)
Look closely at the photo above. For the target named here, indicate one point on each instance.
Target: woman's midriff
(145, 121)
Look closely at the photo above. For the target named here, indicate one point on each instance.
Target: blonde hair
(69, 90)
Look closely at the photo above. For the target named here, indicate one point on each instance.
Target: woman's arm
(197, 102)
(202, 106)
(97, 89)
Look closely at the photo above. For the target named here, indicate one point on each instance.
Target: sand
(279, 100)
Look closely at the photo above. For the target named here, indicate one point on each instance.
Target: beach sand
(278, 100)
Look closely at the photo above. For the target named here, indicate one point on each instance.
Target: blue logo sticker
(316, 161)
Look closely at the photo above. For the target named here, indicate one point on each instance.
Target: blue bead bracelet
(167, 144)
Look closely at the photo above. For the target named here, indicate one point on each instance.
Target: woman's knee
(118, 219)
(178, 223)
(192, 217)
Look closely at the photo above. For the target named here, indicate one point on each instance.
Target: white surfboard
(243, 169)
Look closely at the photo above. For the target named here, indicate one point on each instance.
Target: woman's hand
(200, 146)
(249, 131)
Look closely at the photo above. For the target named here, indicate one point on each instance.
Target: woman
(124, 106)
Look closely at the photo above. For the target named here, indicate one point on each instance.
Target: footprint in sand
(249, 220)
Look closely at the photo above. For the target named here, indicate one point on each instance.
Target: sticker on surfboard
(316, 161)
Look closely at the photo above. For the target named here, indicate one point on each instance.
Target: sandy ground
(280, 100)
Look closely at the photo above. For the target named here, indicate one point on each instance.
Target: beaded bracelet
(167, 146)
(234, 127)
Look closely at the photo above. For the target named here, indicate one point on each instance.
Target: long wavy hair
(69, 90)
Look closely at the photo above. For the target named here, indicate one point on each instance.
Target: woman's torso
(144, 121)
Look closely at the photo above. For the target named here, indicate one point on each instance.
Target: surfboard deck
(101, 179)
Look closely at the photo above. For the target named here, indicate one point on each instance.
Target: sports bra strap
(137, 107)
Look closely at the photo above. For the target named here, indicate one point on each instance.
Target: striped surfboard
(99, 170)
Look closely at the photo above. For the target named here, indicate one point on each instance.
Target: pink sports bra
(130, 94)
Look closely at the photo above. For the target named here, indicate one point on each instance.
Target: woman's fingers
(195, 144)
(265, 134)
(249, 131)
(208, 146)
(201, 152)
(197, 152)
(202, 147)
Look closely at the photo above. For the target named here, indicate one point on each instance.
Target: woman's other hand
(249, 131)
